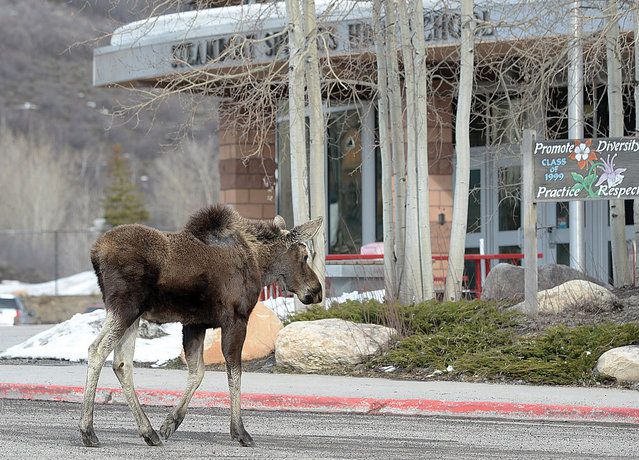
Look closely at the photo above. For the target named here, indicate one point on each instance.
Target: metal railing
(274, 290)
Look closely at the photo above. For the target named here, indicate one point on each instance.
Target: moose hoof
(151, 438)
(89, 439)
(169, 426)
(243, 438)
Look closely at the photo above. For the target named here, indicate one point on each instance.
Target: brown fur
(211, 270)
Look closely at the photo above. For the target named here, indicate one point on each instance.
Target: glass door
(350, 177)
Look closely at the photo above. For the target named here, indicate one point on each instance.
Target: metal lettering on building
(347, 37)
(588, 169)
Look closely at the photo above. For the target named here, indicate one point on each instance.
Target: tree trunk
(462, 154)
(299, 165)
(317, 130)
(412, 281)
(421, 124)
(615, 110)
(636, 201)
(390, 267)
(397, 136)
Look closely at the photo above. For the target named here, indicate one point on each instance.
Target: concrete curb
(330, 404)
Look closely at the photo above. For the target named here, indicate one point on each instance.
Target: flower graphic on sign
(610, 174)
(585, 156)
(583, 153)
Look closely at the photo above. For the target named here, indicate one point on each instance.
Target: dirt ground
(55, 309)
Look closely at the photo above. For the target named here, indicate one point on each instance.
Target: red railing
(275, 291)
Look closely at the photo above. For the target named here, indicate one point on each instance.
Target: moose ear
(306, 231)
(279, 222)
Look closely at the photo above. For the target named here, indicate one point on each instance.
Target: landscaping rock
(573, 294)
(149, 330)
(620, 363)
(313, 346)
(262, 329)
(505, 282)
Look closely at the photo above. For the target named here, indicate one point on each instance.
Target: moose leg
(112, 331)
(233, 334)
(123, 368)
(193, 341)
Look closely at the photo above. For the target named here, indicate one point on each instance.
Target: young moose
(207, 275)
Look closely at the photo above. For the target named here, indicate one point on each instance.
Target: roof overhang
(145, 52)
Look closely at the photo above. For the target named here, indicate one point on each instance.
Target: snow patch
(284, 307)
(70, 341)
(84, 283)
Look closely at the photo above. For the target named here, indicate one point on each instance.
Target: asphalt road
(13, 335)
(39, 430)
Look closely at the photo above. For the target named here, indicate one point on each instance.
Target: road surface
(31, 429)
(13, 335)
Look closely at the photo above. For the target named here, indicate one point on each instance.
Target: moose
(207, 275)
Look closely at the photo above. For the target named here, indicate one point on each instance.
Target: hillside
(54, 156)
(45, 76)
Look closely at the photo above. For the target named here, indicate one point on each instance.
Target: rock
(262, 329)
(620, 363)
(505, 282)
(149, 330)
(312, 346)
(575, 293)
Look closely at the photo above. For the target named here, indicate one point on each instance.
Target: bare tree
(615, 107)
(316, 140)
(390, 265)
(184, 179)
(462, 150)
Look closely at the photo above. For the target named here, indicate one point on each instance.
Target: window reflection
(344, 182)
(473, 223)
(509, 183)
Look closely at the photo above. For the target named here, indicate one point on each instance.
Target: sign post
(571, 170)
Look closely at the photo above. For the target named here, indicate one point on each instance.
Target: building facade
(152, 51)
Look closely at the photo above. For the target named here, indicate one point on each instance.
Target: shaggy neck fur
(220, 225)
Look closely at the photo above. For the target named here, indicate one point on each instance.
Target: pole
(55, 261)
(636, 201)
(576, 131)
(530, 224)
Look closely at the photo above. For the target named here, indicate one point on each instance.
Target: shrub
(479, 340)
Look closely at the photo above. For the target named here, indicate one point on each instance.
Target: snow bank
(285, 306)
(70, 341)
(84, 283)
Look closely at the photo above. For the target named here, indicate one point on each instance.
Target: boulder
(262, 329)
(620, 363)
(573, 294)
(313, 346)
(505, 282)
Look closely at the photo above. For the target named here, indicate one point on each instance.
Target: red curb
(332, 404)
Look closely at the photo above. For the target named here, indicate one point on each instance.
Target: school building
(149, 51)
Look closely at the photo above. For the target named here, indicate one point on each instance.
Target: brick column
(440, 180)
(247, 174)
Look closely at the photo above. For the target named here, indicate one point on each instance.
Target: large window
(346, 166)
(344, 143)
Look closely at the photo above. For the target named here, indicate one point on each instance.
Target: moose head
(291, 267)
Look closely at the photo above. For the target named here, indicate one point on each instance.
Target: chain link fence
(44, 255)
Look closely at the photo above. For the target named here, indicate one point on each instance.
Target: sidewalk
(331, 394)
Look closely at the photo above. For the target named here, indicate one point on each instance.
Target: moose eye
(306, 258)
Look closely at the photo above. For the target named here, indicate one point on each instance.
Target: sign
(588, 169)
(440, 26)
